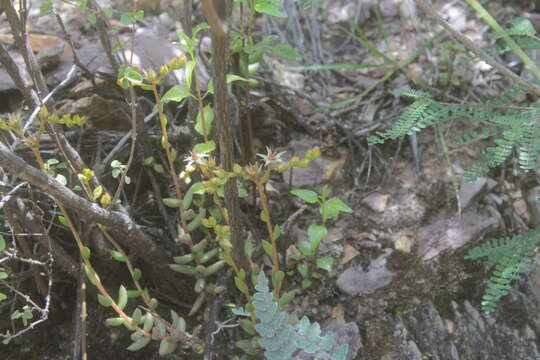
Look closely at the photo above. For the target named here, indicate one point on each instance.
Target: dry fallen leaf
(349, 253)
(376, 201)
(333, 170)
(334, 235)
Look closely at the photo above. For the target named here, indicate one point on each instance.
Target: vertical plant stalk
(167, 147)
(216, 13)
(446, 153)
(465, 41)
(268, 221)
(484, 14)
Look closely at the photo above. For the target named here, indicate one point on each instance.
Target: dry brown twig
(465, 41)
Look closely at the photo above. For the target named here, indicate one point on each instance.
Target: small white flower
(195, 158)
(271, 157)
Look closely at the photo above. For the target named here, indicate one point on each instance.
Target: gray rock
(354, 280)
(470, 192)
(452, 233)
(405, 210)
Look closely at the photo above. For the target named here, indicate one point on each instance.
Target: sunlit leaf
(308, 196)
(325, 263)
(176, 93)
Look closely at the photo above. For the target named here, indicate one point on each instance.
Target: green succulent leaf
(172, 202)
(104, 301)
(117, 255)
(136, 317)
(167, 347)
(267, 248)
(184, 259)
(183, 269)
(85, 253)
(214, 268)
(137, 274)
(139, 344)
(122, 297)
(148, 322)
(114, 321)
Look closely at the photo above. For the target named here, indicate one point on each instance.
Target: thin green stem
(484, 14)
(448, 159)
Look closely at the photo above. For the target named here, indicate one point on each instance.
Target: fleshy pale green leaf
(137, 274)
(267, 248)
(136, 317)
(114, 321)
(2, 243)
(184, 259)
(215, 267)
(183, 269)
(122, 297)
(85, 253)
(166, 347)
(148, 322)
(117, 255)
(104, 301)
(139, 344)
(171, 202)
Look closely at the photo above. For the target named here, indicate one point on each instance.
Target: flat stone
(355, 280)
(452, 233)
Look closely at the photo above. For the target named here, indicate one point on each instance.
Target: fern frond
(468, 137)
(516, 27)
(280, 339)
(412, 93)
(520, 130)
(530, 145)
(526, 43)
(511, 257)
(406, 124)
